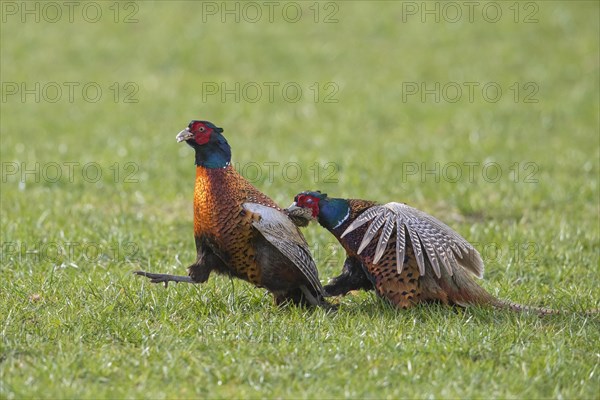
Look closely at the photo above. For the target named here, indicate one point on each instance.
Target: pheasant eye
(201, 129)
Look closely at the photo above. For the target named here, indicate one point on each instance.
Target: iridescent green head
(310, 206)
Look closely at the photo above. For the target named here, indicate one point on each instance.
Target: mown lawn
(492, 127)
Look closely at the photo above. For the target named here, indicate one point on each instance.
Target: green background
(76, 323)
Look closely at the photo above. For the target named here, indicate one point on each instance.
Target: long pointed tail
(503, 304)
(461, 289)
(509, 305)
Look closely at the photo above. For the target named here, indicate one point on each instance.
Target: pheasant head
(311, 206)
(212, 149)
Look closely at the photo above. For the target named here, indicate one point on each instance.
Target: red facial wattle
(202, 137)
(315, 210)
(201, 133)
(311, 202)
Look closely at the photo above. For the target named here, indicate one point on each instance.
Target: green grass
(74, 321)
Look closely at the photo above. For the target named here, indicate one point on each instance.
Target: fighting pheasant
(406, 255)
(241, 232)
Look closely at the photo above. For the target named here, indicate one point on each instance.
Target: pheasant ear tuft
(220, 130)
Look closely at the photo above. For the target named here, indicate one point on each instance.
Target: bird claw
(164, 278)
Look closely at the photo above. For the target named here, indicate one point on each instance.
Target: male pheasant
(406, 255)
(241, 232)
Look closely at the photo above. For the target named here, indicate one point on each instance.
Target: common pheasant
(241, 232)
(406, 255)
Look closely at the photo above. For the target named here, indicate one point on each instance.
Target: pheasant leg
(164, 278)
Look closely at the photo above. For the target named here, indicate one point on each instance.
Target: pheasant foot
(164, 278)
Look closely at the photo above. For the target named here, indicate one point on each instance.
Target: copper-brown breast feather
(219, 216)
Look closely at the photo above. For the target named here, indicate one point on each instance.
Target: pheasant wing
(281, 232)
(443, 247)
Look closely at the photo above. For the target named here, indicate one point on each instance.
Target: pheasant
(406, 255)
(241, 232)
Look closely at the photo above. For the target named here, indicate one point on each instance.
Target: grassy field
(488, 121)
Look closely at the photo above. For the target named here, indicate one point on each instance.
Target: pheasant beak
(299, 214)
(293, 208)
(184, 135)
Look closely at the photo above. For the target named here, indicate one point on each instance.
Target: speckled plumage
(220, 220)
(443, 272)
(413, 284)
(408, 287)
(240, 231)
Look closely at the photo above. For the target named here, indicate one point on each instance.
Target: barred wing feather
(281, 232)
(443, 247)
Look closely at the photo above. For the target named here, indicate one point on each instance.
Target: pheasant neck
(214, 155)
(352, 241)
(333, 213)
